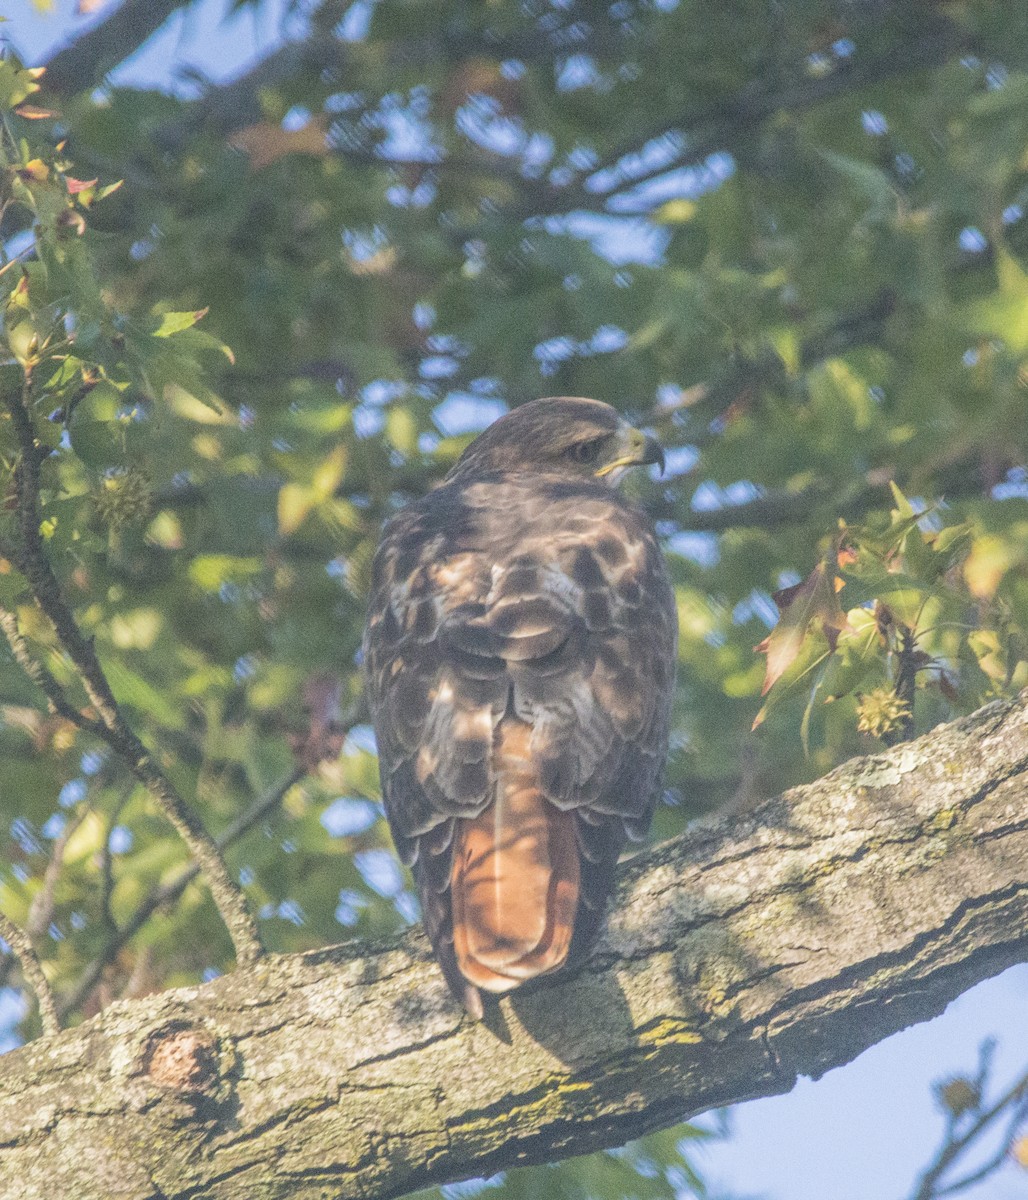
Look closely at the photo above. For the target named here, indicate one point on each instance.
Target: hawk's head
(565, 435)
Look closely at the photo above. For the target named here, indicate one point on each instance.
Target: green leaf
(175, 322)
(211, 571)
(903, 506)
(98, 444)
(858, 651)
(15, 84)
(139, 693)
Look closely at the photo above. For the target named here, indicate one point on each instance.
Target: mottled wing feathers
(527, 610)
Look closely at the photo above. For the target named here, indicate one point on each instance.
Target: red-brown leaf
(324, 736)
(810, 604)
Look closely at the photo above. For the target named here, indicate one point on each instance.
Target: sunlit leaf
(174, 322)
(294, 503)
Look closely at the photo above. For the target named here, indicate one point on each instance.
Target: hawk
(520, 653)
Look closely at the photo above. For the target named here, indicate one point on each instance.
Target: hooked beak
(637, 449)
(653, 452)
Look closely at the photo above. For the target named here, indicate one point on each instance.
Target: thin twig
(1017, 1117)
(927, 1188)
(168, 893)
(20, 257)
(107, 864)
(717, 125)
(41, 910)
(159, 897)
(21, 945)
(112, 727)
(57, 701)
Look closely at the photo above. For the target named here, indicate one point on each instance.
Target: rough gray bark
(779, 942)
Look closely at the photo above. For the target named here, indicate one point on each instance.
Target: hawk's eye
(585, 452)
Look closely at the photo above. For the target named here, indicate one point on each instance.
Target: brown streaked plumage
(520, 656)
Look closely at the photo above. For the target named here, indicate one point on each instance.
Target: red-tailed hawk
(520, 652)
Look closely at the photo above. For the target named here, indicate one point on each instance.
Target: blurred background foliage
(791, 240)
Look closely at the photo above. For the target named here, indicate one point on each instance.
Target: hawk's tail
(515, 876)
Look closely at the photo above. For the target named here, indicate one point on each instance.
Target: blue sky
(863, 1131)
(204, 37)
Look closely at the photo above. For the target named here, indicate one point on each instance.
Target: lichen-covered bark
(750, 950)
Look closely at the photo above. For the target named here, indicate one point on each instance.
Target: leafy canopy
(796, 251)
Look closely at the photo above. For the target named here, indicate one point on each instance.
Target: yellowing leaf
(986, 565)
(136, 630)
(987, 649)
(86, 840)
(210, 571)
(675, 212)
(294, 503)
(35, 169)
(165, 530)
(329, 473)
(402, 429)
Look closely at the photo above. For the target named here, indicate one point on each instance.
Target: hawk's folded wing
(520, 651)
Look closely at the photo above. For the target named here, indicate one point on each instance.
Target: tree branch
(84, 62)
(41, 910)
(168, 893)
(722, 124)
(232, 106)
(21, 947)
(111, 726)
(57, 701)
(750, 950)
(715, 126)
